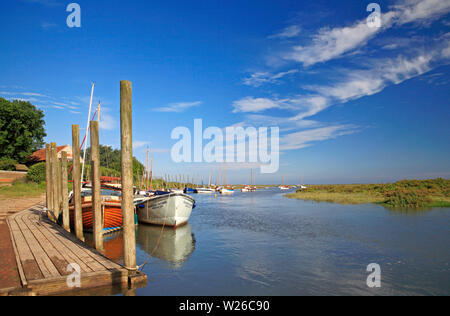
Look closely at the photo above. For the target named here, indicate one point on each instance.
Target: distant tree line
(110, 159)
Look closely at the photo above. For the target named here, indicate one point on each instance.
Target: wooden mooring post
(58, 209)
(48, 177)
(65, 192)
(53, 162)
(76, 183)
(129, 238)
(96, 190)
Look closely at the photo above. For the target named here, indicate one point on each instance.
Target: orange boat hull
(112, 215)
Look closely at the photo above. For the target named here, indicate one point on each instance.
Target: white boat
(248, 189)
(284, 187)
(205, 190)
(171, 209)
(226, 191)
(176, 190)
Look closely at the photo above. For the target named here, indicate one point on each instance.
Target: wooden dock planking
(55, 242)
(44, 250)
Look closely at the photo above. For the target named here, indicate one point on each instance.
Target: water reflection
(175, 245)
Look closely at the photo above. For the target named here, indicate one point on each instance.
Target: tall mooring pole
(96, 197)
(53, 163)
(48, 177)
(129, 238)
(65, 193)
(76, 182)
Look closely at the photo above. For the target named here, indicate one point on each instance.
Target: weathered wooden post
(59, 182)
(96, 192)
(48, 177)
(54, 162)
(76, 183)
(65, 192)
(129, 238)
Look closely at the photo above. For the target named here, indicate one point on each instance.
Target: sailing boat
(224, 189)
(110, 196)
(251, 187)
(164, 208)
(207, 190)
(284, 187)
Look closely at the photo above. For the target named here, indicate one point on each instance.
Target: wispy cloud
(306, 138)
(178, 107)
(331, 43)
(108, 122)
(139, 144)
(352, 83)
(259, 78)
(288, 32)
(251, 104)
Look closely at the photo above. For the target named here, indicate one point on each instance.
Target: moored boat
(226, 191)
(169, 209)
(188, 190)
(205, 190)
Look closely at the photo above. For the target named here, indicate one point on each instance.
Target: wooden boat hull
(112, 215)
(173, 209)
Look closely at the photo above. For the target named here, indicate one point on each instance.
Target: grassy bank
(405, 193)
(21, 189)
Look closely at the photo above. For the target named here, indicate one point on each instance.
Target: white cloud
(139, 144)
(331, 43)
(107, 122)
(304, 139)
(384, 72)
(288, 32)
(259, 78)
(421, 11)
(353, 84)
(251, 104)
(178, 107)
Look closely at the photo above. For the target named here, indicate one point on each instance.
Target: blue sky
(353, 103)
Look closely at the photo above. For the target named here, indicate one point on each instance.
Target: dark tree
(110, 158)
(21, 129)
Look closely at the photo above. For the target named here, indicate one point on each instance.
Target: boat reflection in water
(175, 246)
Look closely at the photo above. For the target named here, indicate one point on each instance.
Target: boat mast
(151, 175)
(146, 176)
(87, 132)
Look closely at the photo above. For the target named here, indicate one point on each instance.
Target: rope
(141, 267)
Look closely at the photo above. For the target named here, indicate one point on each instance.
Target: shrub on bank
(404, 198)
(37, 173)
(8, 164)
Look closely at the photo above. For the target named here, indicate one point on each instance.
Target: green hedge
(37, 173)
